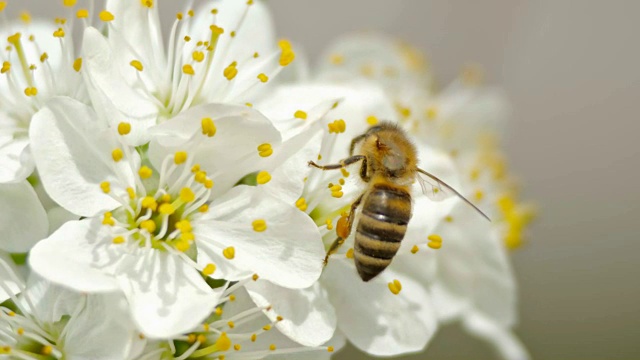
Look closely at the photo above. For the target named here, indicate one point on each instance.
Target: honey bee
(389, 165)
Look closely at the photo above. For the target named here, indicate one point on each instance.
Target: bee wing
(437, 190)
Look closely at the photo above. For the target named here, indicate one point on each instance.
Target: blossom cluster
(157, 201)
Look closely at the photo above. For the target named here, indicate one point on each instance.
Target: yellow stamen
(259, 225)
(263, 177)
(414, 249)
(124, 128)
(69, 3)
(262, 77)
(230, 71)
(338, 126)
(208, 127)
(105, 186)
(300, 115)
(136, 65)
(106, 16)
(229, 252)
(166, 209)
(435, 241)
(82, 14)
(372, 120)
(117, 155)
(301, 204)
(349, 253)
(145, 172)
(265, 150)
(208, 270)
(149, 202)
(77, 64)
(118, 240)
(287, 55)
(188, 69)
(198, 56)
(148, 225)
(395, 287)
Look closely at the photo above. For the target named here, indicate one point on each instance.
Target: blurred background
(572, 72)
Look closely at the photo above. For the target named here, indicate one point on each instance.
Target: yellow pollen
(166, 209)
(329, 224)
(232, 297)
(249, 2)
(204, 208)
(6, 66)
(223, 343)
(338, 126)
(266, 327)
(145, 172)
(256, 55)
(479, 195)
(198, 56)
(187, 38)
(106, 16)
(341, 181)
(25, 17)
(217, 30)
(231, 324)
(229, 252)
(180, 157)
(448, 218)
(136, 65)
(108, 219)
(475, 174)
(118, 240)
(179, 16)
(232, 34)
(187, 195)
(259, 225)
(372, 120)
(218, 311)
(336, 59)
(330, 349)
(431, 113)
(11, 313)
(208, 183)
(287, 55)
(300, 115)
(263, 177)
(31, 91)
(435, 241)
(59, 33)
(272, 347)
(301, 204)
(349, 253)
(147, 3)
(344, 172)
(3, 5)
(237, 347)
(105, 186)
(249, 104)
(69, 3)
(131, 193)
(188, 69)
(14, 39)
(262, 77)
(46, 350)
(404, 111)
(191, 13)
(77, 64)
(44, 57)
(124, 128)
(265, 150)
(148, 225)
(149, 202)
(20, 331)
(191, 338)
(279, 318)
(82, 14)
(208, 127)
(414, 249)
(255, 277)
(117, 155)
(201, 177)
(395, 286)
(187, 236)
(202, 339)
(230, 71)
(206, 327)
(254, 337)
(209, 269)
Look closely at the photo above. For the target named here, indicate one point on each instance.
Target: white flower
(23, 220)
(152, 230)
(223, 53)
(237, 329)
(40, 64)
(373, 315)
(474, 280)
(53, 322)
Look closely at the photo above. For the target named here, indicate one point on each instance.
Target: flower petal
(115, 100)
(22, 218)
(11, 282)
(374, 319)
(228, 155)
(167, 296)
(503, 340)
(15, 159)
(73, 153)
(288, 252)
(80, 256)
(308, 317)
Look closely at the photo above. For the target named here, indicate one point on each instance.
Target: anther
(209, 270)
(118, 240)
(272, 347)
(414, 249)
(106, 16)
(105, 186)
(301, 204)
(229, 252)
(262, 77)
(124, 128)
(145, 172)
(188, 69)
(136, 65)
(77, 64)
(82, 14)
(395, 287)
(148, 225)
(187, 195)
(230, 71)
(349, 253)
(338, 126)
(259, 225)
(330, 349)
(287, 55)
(265, 150)
(166, 209)
(117, 155)
(208, 127)
(198, 56)
(431, 113)
(435, 241)
(263, 177)
(300, 115)
(180, 157)
(149, 202)
(69, 3)
(372, 120)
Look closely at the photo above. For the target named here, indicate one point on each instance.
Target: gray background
(572, 71)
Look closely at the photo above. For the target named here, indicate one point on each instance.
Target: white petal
(22, 218)
(15, 159)
(375, 320)
(115, 101)
(287, 181)
(288, 253)
(227, 156)
(308, 316)
(12, 283)
(50, 301)
(101, 331)
(503, 340)
(167, 296)
(80, 255)
(73, 152)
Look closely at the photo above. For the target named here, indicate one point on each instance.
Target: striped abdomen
(381, 228)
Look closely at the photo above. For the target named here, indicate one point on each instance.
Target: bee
(389, 166)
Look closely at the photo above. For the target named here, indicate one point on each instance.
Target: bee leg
(355, 142)
(346, 162)
(343, 230)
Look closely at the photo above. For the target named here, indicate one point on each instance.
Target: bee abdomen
(382, 226)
